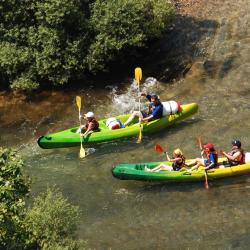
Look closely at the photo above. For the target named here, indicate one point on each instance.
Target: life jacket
(237, 161)
(94, 125)
(179, 164)
(215, 159)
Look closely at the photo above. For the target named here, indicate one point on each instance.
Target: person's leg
(199, 162)
(156, 169)
(162, 168)
(133, 115)
(190, 164)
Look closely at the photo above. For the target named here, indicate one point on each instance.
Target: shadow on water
(171, 57)
(167, 58)
(229, 183)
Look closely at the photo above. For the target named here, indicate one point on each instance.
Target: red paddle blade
(158, 148)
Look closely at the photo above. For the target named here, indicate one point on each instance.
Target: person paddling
(155, 110)
(91, 125)
(178, 162)
(235, 157)
(210, 161)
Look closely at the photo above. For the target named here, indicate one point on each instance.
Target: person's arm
(168, 158)
(209, 166)
(175, 159)
(147, 118)
(89, 130)
(155, 113)
(231, 157)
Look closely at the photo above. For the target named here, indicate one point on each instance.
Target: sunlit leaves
(59, 41)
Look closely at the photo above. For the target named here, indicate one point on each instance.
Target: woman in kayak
(91, 125)
(155, 110)
(209, 162)
(235, 157)
(178, 162)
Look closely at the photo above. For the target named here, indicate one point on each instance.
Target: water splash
(129, 99)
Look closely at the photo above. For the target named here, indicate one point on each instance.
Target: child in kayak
(178, 162)
(91, 125)
(209, 162)
(155, 110)
(235, 157)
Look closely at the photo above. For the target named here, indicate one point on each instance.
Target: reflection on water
(137, 215)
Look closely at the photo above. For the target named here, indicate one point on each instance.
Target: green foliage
(13, 189)
(57, 41)
(51, 222)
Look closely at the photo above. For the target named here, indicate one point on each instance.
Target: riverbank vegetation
(50, 223)
(55, 42)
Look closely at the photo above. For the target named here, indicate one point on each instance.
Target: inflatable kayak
(69, 137)
(136, 171)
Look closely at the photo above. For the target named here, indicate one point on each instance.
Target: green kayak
(69, 137)
(136, 171)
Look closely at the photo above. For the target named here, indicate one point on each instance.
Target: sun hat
(89, 115)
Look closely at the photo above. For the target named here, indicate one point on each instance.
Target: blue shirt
(212, 159)
(156, 110)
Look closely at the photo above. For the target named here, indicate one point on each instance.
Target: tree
(13, 189)
(59, 41)
(50, 223)
(122, 25)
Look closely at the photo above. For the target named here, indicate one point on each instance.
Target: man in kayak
(91, 125)
(210, 161)
(155, 110)
(235, 156)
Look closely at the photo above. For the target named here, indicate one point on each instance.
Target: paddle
(78, 103)
(159, 149)
(200, 145)
(138, 77)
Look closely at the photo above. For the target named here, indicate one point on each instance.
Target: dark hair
(156, 97)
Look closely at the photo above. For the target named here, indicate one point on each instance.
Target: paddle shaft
(205, 171)
(78, 103)
(138, 76)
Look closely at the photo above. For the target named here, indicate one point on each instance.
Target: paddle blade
(78, 102)
(139, 137)
(82, 153)
(138, 74)
(158, 148)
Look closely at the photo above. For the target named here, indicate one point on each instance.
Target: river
(139, 215)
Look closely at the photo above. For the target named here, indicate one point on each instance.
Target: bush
(52, 220)
(50, 223)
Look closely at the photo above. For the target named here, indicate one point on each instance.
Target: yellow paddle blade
(82, 153)
(140, 136)
(138, 74)
(78, 102)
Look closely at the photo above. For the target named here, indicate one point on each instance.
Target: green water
(137, 215)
